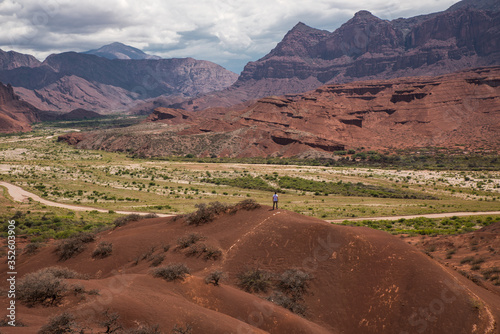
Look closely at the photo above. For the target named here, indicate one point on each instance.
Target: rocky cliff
(460, 110)
(15, 115)
(369, 48)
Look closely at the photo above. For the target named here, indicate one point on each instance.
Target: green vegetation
(346, 189)
(245, 182)
(356, 183)
(428, 226)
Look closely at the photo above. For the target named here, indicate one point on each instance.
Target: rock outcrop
(454, 110)
(369, 48)
(15, 115)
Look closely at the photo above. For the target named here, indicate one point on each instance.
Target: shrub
(188, 240)
(287, 302)
(176, 271)
(150, 215)
(182, 330)
(110, 322)
(255, 280)
(212, 253)
(143, 330)
(205, 213)
(62, 323)
(294, 283)
(490, 273)
(73, 246)
(41, 287)
(215, 277)
(157, 260)
(61, 272)
(104, 249)
(467, 259)
(149, 253)
(124, 220)
(32, 248)
(78, 289)
(195, 250)
(248, 204)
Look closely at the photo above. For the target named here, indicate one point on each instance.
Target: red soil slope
(365, 281)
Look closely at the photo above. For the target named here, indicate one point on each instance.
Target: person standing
(275, 200)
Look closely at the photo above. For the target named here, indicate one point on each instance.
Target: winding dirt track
(18, 194)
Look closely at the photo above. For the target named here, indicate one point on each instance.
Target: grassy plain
(115, 181)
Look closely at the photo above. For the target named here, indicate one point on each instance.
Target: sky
(228, 32)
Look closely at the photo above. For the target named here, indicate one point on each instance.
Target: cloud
(228, 32)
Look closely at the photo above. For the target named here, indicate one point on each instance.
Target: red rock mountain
(15, 115)
(368, 48)
(460, 109)
(10, 60)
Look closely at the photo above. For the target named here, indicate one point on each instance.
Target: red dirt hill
(364, 281)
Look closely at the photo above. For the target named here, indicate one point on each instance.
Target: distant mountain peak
(363, 16)
(117, 50)
(363, 13)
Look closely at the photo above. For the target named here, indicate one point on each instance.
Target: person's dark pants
(275, 203)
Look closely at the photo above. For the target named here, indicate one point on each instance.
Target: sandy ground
(18, 194)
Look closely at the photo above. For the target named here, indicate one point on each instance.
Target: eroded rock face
(15, 115)
(368, 48)
(454, 110)
(71, 80)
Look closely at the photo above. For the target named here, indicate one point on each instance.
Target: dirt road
(18, 194)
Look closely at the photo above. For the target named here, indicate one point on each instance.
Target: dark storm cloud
(228, 32)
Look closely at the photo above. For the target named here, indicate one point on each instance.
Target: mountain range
(368, 48)
(357, 67)
(71, 80)
(117, 77)
(453, 111)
